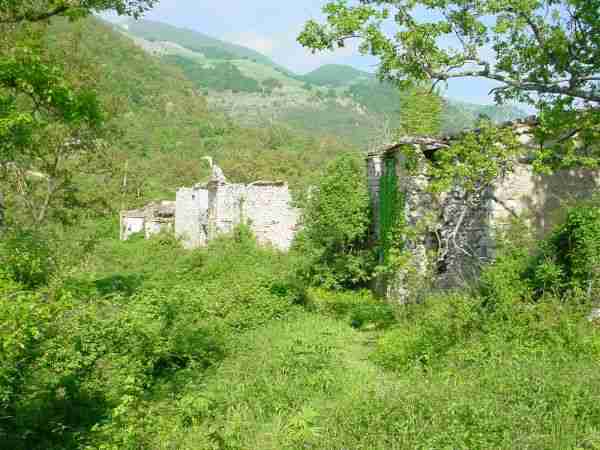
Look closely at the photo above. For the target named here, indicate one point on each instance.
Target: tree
(51, 122)
(20, 11)
(420, 112)
(336, 218)
(542, 52)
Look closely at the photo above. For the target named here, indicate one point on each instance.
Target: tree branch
(36, 16)
(540, 88)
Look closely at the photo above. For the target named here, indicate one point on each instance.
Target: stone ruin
(149, 220)
(204, 211)
(461, 235)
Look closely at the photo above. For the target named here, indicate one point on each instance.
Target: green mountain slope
(331, 100)
(198, 42)
(336, 75)
(164, 125)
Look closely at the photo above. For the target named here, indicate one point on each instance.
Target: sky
(272, 26)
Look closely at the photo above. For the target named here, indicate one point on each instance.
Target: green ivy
(391, 209)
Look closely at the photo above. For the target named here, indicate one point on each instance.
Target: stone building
(151, 219)
(202, 212)
(455, 235)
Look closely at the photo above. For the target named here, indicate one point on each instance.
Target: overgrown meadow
(144, 345)
(110, 345)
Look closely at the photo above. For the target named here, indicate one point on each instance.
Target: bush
(360, 309)
(336, 220)
(570, 258)
(26, 258)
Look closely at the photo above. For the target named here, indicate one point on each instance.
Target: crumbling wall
(540, 199)
(191, 216)
(151, 219)
(269, 211)
(264, 206)
(226, 207)
(202, 212)
(453, 234)
(131, 224)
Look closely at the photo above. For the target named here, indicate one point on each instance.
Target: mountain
(163, 125)
(336, 75)
(334, 99)
(195, 41)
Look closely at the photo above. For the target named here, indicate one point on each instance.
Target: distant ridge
(196, 41)
(332, 100)
(336, 75)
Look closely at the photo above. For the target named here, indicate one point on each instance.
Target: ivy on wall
(391, 210)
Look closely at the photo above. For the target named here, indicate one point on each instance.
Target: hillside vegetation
(336, 75)
(145, 345)
(165, 126)
(141, 344)
(350, 103)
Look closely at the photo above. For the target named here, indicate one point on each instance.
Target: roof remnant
(430, 145)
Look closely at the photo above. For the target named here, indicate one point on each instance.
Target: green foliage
(26, 258)
(335, 75)
(145, 345)
(220, 77)
(535, 46)
(420, 112)
(271, 84)
(475, 160)
(570, 257)
(336, 220)
(358, 308)
(197, 42)
(12, 11)
(141, 317)
(51, 125)
(392, 221)
(564, 265)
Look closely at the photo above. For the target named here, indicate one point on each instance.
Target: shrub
(336, 221)
(360, 309)
(570, 258)
(26, 258)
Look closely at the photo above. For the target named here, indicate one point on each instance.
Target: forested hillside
(345, 102)
(164, 125)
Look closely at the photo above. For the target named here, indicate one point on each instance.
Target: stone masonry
(151, 219)
(459, 235)
(204, 211)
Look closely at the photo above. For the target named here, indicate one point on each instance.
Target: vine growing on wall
(391, 212)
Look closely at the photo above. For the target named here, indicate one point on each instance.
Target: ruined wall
(131, 225)
(538, 198)
(456, 232)
(264, 206)
(269, 211)
(226, 206)
(151, 219)
(374, 174)
(191, 216)
(202, 212)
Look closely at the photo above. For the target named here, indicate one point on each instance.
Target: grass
(154, 347)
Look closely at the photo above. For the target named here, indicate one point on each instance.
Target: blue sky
(272, 26)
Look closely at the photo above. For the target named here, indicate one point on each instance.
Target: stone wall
(204, 211)
(455, 232)
(151, 219)
(191, 216)
(268, 208)
(265, 206)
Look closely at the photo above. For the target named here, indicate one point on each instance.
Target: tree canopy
(16, 11)
(542, 52)
(50, 117)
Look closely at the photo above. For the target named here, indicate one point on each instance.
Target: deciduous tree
(542, 52)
